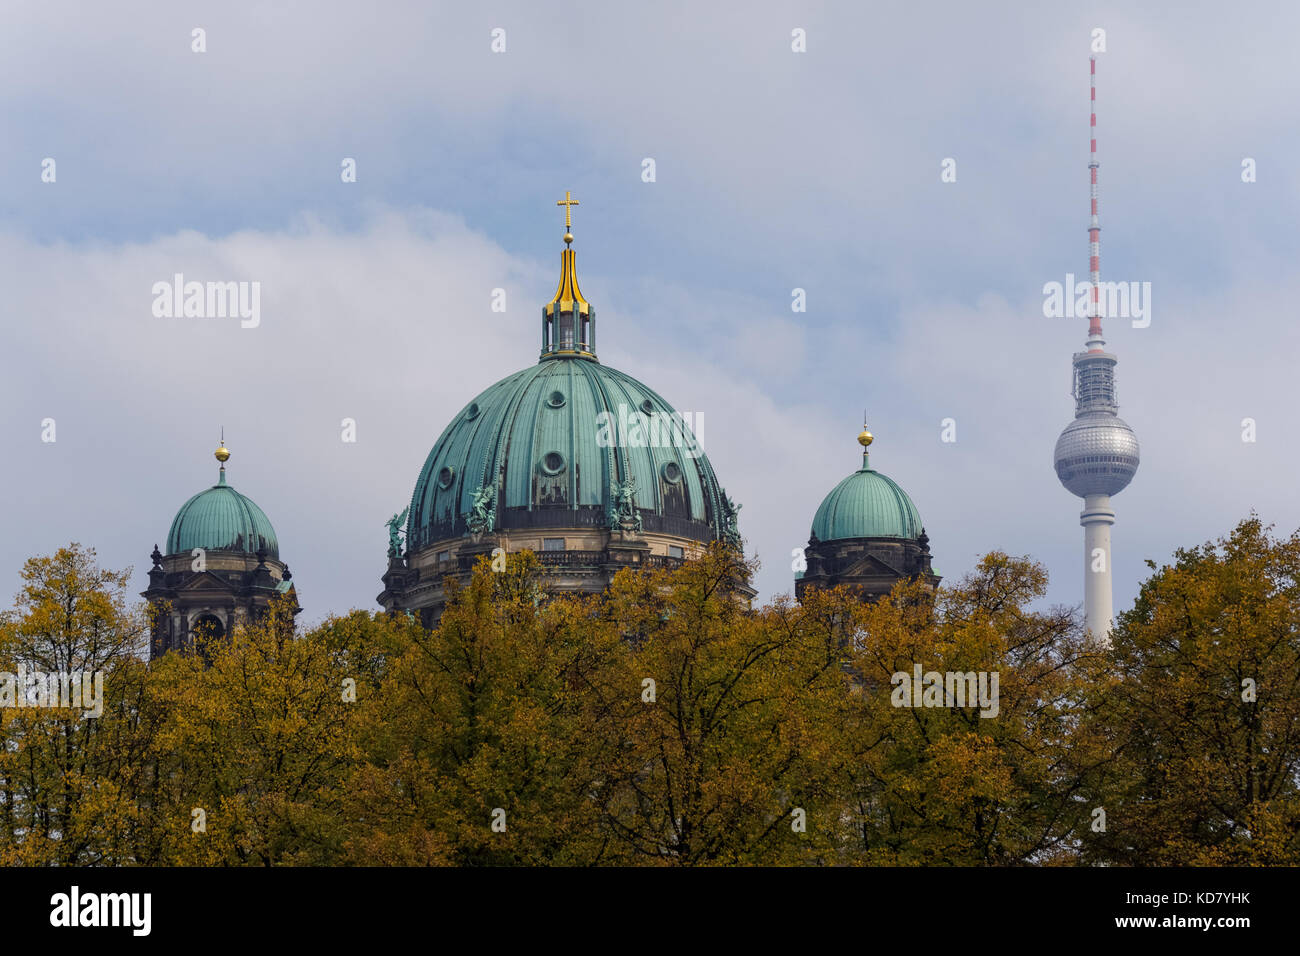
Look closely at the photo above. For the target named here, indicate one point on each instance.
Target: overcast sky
(775, 170)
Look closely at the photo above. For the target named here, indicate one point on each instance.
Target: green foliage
(934, 785)
(1203, 706)
(62, 797)
(665, 722)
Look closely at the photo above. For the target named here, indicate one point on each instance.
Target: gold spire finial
(568, 202)
(222, 454)
(567, 298)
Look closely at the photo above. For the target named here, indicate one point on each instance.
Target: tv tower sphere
(1097, 454)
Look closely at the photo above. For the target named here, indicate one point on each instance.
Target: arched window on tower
(566, 331)
(209, 627)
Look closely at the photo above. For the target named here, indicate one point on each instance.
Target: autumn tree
(260, 740)
(66, 782)
(1203, 703)
(997, 779)
(668, 722)
(482, 742)
(728, 719)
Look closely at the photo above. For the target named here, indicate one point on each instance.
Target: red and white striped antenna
(1094, 227)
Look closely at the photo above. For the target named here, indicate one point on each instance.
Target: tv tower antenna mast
(1097, 454)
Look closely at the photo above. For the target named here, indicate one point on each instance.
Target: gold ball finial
(222, 454)
(866, 438)
(568, 238)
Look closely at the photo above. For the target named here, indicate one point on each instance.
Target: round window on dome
(648, 407)
(671, 472)
(446, 477)
(555, 399)
(471, 412)
(553, 463)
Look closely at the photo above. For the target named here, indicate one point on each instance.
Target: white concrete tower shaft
(1098, 602)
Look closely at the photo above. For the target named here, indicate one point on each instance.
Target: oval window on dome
(671, 472)
(648, 407)
(553, 463)
(471, 412)
(555, 399)
(446, 476)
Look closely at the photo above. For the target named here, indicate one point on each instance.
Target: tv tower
(1097, 453)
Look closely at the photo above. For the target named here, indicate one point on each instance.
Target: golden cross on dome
(568, 203)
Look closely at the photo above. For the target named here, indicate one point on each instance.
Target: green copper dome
(221, 519)
(569, 444)
(553, 445)
(866, 504)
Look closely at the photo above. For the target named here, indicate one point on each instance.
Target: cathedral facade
(578, 462)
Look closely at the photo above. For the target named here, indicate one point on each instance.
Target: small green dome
(866, 504)
(221, 519)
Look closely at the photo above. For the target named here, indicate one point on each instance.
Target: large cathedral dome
(545, 443)
(574, 460)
